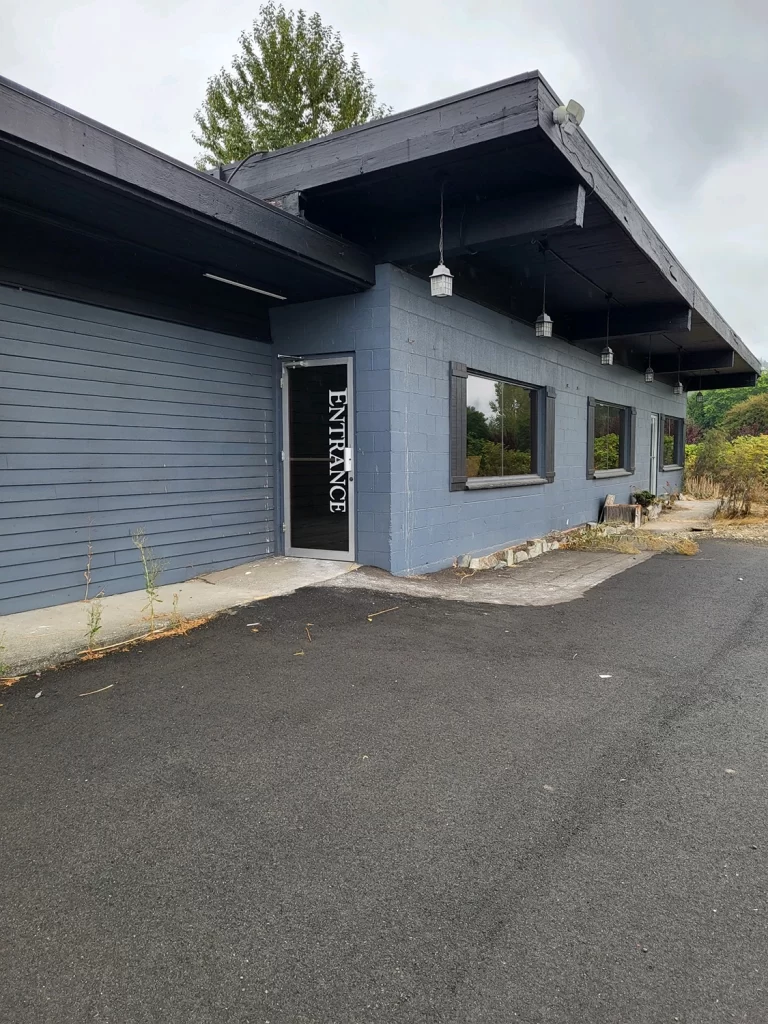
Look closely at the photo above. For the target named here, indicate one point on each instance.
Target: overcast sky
(676, 92)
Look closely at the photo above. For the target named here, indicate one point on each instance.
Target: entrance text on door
(337, 442)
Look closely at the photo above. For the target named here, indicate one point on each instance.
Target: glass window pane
(670, 440)
(609, 436)
(517, 432)
(499, 428)
(483, 431)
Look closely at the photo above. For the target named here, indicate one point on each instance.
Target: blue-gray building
(251, 361)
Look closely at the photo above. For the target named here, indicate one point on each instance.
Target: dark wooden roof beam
(629, 322)
(484, 226)
(717, 381)
(714, 359)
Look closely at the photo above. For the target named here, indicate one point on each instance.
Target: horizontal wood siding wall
(111, 422)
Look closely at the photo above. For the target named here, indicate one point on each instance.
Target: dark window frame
(627, 450)
(542, 429)
(679, 443)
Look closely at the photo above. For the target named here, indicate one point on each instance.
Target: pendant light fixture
(441, 279)
(649, 374)
(543, 322)
(699, 396)
(606, 356)
(678, 388)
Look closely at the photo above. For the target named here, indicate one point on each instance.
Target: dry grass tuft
(181, 628)
(703, 486)
(631, 543)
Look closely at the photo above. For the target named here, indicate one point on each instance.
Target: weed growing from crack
(175, 619)
(94, 620)
(152, 568)
(88, 561)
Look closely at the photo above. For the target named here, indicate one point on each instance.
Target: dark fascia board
(449, 125)
(57, 133)
(603, 183)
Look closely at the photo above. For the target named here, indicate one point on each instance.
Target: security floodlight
(570, 113)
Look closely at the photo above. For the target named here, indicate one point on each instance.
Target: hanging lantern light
(544, 326)
(544, 323)
(649, 374)
(678, 388)
(606, 356)
(441, 279)
(699, 396)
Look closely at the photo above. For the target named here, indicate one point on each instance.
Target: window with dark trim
(610, 439)
(673, 442)
(502, 431)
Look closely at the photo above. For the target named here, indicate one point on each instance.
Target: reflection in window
(500, 428)
(673, 455)
(609, 436)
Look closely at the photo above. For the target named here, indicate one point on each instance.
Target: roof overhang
(82, 178)
(511, 176)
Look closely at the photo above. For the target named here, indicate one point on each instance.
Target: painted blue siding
(111, 421)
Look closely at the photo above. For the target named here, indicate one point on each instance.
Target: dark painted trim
(55, 135)
(458, 426)
(632, 440)
(627, 467)
(549, 398)
(679, 442)
(718, 381)
(450, 125)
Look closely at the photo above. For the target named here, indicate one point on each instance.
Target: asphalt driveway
(444, 814)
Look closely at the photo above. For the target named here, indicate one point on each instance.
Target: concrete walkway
(554, 578)
(45, 637)
(686, 516)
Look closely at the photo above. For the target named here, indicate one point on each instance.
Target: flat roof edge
(589, 163)
(41, 125)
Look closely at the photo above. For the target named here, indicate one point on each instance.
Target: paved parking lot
(451, 812)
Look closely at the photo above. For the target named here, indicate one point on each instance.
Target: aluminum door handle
(347, 460)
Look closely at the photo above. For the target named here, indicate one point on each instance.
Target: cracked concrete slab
(554, 578)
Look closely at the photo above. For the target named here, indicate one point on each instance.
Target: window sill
(670, 469)
(605, 474)
(485, 483)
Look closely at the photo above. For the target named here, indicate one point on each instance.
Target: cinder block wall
(431, 524)
(356, 324)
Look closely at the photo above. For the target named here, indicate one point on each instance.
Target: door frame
(653, 462)
(285, 455)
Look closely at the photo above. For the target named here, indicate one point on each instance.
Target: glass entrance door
(318, 458)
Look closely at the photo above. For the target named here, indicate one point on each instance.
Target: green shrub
(749, 417)
(644, 498)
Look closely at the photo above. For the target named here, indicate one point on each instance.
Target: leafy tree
(290, 82)
(748, 417)
(710, 412)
